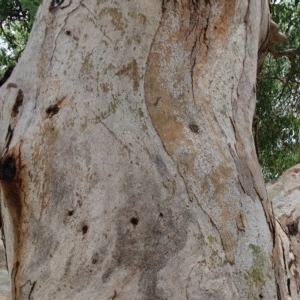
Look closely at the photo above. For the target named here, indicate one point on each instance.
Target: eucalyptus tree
(128, 165)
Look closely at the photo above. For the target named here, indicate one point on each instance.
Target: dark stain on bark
(95, 258)
(194, 128)
(293, 227)
(131, 70)
(70, 212)
(7, 169)
(52, 110)
(84, 229)
(18, 103)
(9, 136)
(134, 221)
(11, 185)
(161, 166)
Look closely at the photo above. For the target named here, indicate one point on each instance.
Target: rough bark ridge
(129, 170)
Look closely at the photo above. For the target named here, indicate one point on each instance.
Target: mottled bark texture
(129, 169)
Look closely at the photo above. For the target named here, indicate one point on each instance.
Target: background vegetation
(277, 130)
(16, 19)
(278, 105)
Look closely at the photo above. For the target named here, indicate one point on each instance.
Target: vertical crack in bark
(27, 290)
(31, 290)
(205, 38)
(119, 141)
(189, 280)
(283, 255)
(13, 118)
(62, 28)
(9, 135)
(193, 64)
(14, 274)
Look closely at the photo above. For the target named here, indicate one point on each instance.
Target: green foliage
(278, 105)
(16, 18)
(30, 6)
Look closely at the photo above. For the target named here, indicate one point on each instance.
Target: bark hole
(70, 212)
(95, 258)
(161, 215)
(68, 32)
(134, 221)
(52, 110)
(84, 229)
(194, 128)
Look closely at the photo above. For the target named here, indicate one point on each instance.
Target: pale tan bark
(128, 124)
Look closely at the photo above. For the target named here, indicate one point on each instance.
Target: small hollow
(84, 229)
(134, 221)
(194, 128)
(95, 258)
(70, 212)
(52, 110)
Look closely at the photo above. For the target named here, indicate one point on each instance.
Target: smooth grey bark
(129, 169)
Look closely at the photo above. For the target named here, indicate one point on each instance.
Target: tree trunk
(129, 169)
(284, 194)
